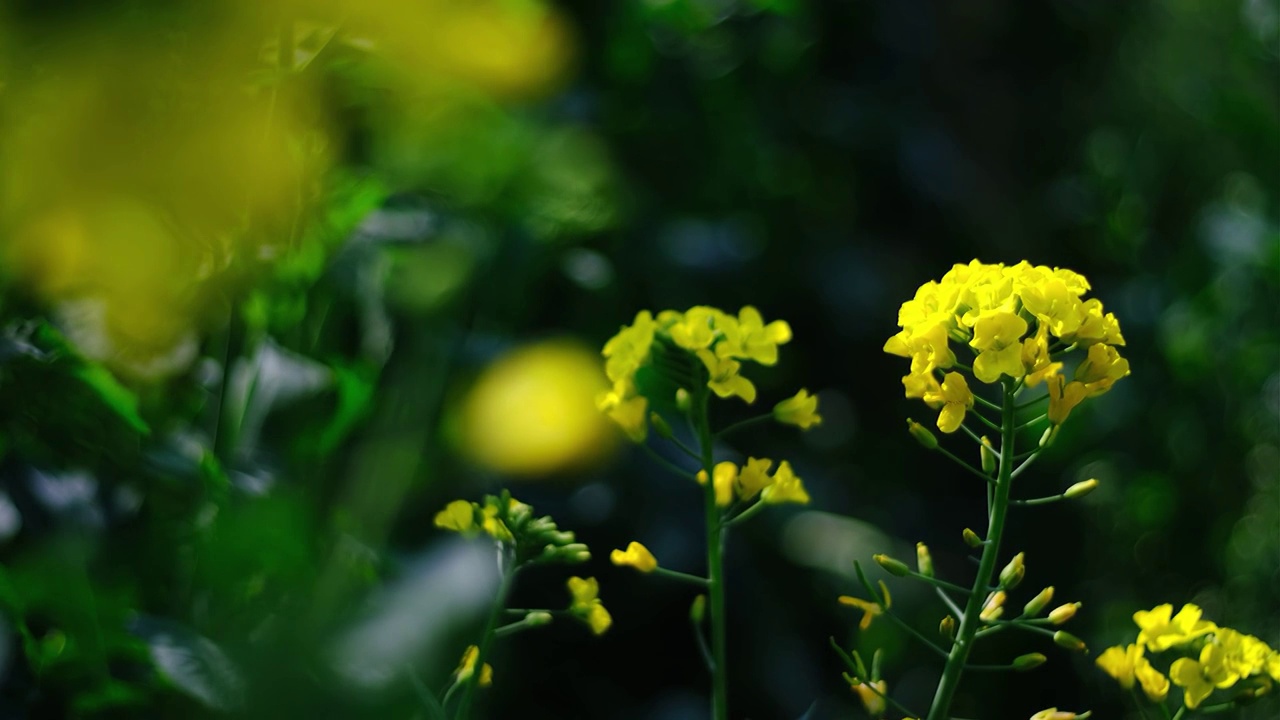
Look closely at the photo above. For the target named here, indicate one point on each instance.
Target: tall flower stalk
(1019, 327)
(667, 369)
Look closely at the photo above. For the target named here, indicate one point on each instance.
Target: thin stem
(1016, 625)
(685, 449)
(1032, 421)
(745, 515)
(715, 564)
(507, 567)
(1041, 500)
(989, 668)
(915, 633)
(951, 604)
(941, 584)
(683, 577)
(1025, 464)
(952, 456)
(971, 433)
(986, 403)
(969, 621)
(702, 646)
(743, 424)
(667, 463)
(901, 708)
(984, 420)
(515, 627)
(1031, 403)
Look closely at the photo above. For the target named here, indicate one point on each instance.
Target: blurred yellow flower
(1161, 629)
(800, 410)
(586, 604)
(467, 667)
(532, 412)
(636, 556)
(785, 488)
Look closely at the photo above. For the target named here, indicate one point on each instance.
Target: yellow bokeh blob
(532, 412)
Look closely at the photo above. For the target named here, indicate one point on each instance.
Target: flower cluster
(1211, 658)
(512, 523)
(1019, 322)
(702, 347)
(744, 483)
(586, 604)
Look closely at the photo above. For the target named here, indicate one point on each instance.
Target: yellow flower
(625, 352)
(629, 410)
(869, 610)
(1053, 713)
(696, 328)
(800, 410)
(1161, 630)
(786, 488)
(754, 477)
(1036, 361)
(458, 516)
(723, 477)
(748, 338)
(1127, 664)
(586, 604)
(1063, 397)
(999, 336)
(1099, 371)
(872, 697)
(927, 347)
(725, 380)
(954, 398)
(468, 666)
(493, 525)
(637, 556)
(1154, 683)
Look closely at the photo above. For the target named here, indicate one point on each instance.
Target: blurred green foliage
(253, 261)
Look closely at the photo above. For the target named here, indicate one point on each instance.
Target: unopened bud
(922, 435)
(1050, 434)
(988, 455)
(698, 609)
(924, 562)
(1062, 638)
(1037, 604)
(993, 608)
(947, 628)
(971, 538)
(682, 400)
(892, 566)
(1013, 573)
(1081, 489)
(575, 552)
(1028, 661)
(660, 426)
(538, 618)
(1063, 613)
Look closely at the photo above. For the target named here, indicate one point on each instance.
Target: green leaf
(117, 397)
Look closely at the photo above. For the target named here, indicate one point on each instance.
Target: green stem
(970, 622)
(743, 424)
(506, 561)
(674, 468)
(683, 577)
(952, 457)
(745, 515)
(915, 633)
(715, 565)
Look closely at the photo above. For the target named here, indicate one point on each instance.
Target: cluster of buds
(510, 522)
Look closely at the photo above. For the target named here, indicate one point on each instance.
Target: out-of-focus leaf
(192, 663)
(355, 386)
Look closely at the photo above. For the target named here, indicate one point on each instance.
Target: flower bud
(988, 455)
(892, 566)
(947, 628)
(971, 538)
(993, 608)
(538, 618)
(1013, 573)
(682, 400)
(1063, 613)
(1050, 434)
(1023, 663)
(924, 562)
(660, 426)
(922, 435)
(1064, 639)
(1037, 604)
(1081, 489)
(872, 697)
(698, 609)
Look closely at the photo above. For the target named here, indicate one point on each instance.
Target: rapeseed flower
(586, 604)
(636, 556)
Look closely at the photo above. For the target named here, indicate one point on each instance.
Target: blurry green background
(259, 262)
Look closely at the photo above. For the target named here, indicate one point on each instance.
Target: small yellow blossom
(696, 328)
(800, 410)
(637, 556)
(626, 408)
(725, 380)
(872, 697)
(1063, 397)
(954, 398)
(586, 604)
(754, 477)
(468, 666)
(1054, 713)
(870, 610)
(786, 488)
(1161, 630)
(999, 337)
(749, 338)
(723, 477)
(458, 516)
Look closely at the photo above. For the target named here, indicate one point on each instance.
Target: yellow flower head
(748, 338)
(586, 604)
(637, 556)
(872, 696)
(754, 477)
(1161, 629)
(468, 666)
(1016, 321)
(954, 397)
(800, 410)
(458, 516)
(786, 488)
